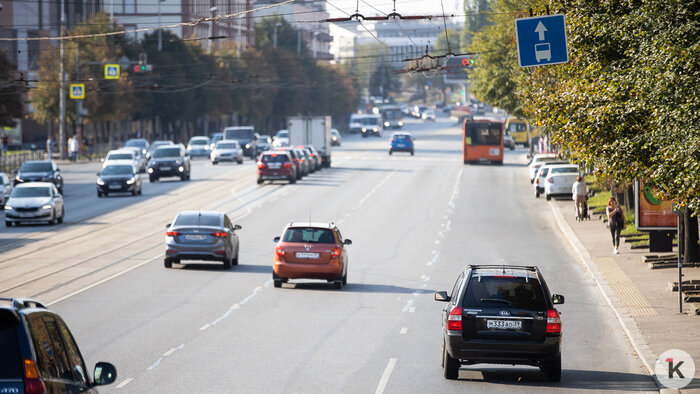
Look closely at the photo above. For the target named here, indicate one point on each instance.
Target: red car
(311, 251)
(276, 165)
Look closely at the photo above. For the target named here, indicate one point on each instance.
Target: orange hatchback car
(311, 251)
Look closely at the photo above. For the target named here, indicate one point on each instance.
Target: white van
(372, 125)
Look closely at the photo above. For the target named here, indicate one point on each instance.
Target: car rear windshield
(239, 134)
(204, 219)
(120, 156)
(275, 158)
(370, 121)
(36, 167)
(309, 235)
(167, 152)
(31, 192)
(136, 143)
(564, 170)
(403, 137)
(117, 170)
(494, 291)
(10, 357)
(484, 133)
(228, 145)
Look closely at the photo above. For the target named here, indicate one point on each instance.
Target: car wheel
(338, 284)
(183, 178)
(227, 263)
(412, 153)
(240, 161)
(54, 219)
(345, 279)
(450, 366)
(292, 180)
(390, 152)
(214, 162)
(8, 223)
(140, 190)
(152, 179)
(549, 197)
(277, 283)
(168, 263)
(260, 181)
(552, 369)
(63, 213)
(99, 194)
(537, 194)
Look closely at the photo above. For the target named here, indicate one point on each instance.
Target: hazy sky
(403, 7)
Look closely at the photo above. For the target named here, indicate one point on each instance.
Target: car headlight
(386, 124)
(18, 179)
(143, 151)
(364, 129)
(375, 129)
(46, 206)
(247, 146)
(181, 169)
(400, 123)
(8, 208)
(150, 170)
(206, 147)
(189, 147)
(100, 182)
(131, 181)
(153, 163)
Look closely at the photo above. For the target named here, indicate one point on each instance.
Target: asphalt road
(415, 222)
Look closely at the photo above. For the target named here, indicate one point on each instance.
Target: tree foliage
(12, 92)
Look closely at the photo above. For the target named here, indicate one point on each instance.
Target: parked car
(428, 115)
(118, 178)
(537, 160)
(40, 171)
(501, 315)
(155, 145)
(541, 176)
(201, 235)
(34, 202)
(5, 188)
(227, 151)
(169, 160)
(264, 143)
(311, 251)
(140, 143)
(40, 355)
(560, 180)
(308, 158)
(121, 156)
(336, 140)
(276, 165)
(199, 146)
(316, 157)
(296, 161)
(401, 142)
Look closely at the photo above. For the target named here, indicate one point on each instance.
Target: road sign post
(541, 40)
(112, 71)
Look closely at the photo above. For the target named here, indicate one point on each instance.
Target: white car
(281, 139)
(428, 115)
(537, 161)
(335, 137)
(227, 150)
(121, 156)
(560, 180)
(139, 156)
(541, 176)
(34, 202)
(5, 188)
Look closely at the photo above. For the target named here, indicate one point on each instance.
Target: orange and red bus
(483, 141)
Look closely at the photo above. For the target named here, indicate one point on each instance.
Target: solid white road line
(385, 377)
(124, 383)
(404, 330)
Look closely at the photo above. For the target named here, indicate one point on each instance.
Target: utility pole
(62, 88)
(78, 102)
(274, 35)
(160, 31)
(210, 43)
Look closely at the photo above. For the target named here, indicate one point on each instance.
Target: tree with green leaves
(12, 90)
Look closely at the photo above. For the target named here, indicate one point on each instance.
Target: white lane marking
(155, 364)
(233, 307)
(204, 327)
(429, 263)
(124, 383)
(407, 306)
(385, 377)
(413, 309)
(436, 255)
(105, 280)
(173, 350)
(422, 277)
(382, 182)
(404, 330)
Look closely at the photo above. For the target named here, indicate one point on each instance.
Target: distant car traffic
(508, 141)
(139, 158)
(336, 140)
(281, 139)
(264, 143)
(372, 125)
(316, 157)
(428, 115)
(118, 178)
(226, 151)
(199, 146)
(34, 202)
(140, 143)
(121, 156)
(40, 355)
(157, 144)
(40, 171)
(201, 235)
(501, 315)
(297, 162)
(311, 251)
(168, 161)
(401, 142)
(216, 137)
(245, 135)
(541, 175)
(276, 165)
(5, 188)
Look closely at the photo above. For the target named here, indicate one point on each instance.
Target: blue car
(401, 142)
(199, 146)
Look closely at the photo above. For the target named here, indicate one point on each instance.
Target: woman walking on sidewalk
(616, 222)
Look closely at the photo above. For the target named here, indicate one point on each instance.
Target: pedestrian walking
(578, 193)
(49, 147)
(616, 222)
(71, 148)
(90, 148)
(5, 143)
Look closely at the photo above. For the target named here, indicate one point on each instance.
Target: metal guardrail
(13, 160)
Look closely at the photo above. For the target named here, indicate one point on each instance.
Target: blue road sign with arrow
(541, 40)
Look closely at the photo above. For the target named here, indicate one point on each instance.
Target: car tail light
(553, 322)
(393, 140)
(537, 181)
(261, 164)
(279, 251)
(335, 252)
(220, 234)
(172, 233)
(287, 165)
(32, 383)
(550, 180)
(454, 319)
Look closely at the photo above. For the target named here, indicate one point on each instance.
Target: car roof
(199, 137)
(510, 270)
(123, 150)
(330, 225)
(38, 161)
(34, 184)
(563, 166)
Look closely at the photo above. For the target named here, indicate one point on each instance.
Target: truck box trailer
(312, 130)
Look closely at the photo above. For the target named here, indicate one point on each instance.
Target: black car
(39, 353)
(501, 314)
(169, 160)
(118, 178)
(246, 137)
(40, 171)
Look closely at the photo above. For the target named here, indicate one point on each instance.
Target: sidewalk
(640, 297)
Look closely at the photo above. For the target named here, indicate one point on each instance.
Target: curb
(629, 326)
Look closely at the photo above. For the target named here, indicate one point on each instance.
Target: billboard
(651, 213)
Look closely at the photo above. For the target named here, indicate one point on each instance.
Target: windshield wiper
(497, 300)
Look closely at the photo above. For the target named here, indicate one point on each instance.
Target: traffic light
(139, 68)
(467, 62)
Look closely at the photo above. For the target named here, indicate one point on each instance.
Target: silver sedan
(34, 202)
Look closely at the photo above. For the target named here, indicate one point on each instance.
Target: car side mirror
(99, 173)
(557, 299)
(167, 225)
(105, 373)
(276, 239)
(347, 242)
(237, 227)
(441, 296)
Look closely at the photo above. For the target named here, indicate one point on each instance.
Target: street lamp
(212, 12)
(274, 35)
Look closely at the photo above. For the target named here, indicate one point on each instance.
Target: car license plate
(115, 186)
(400, 145)
(305, 255)
(195, 237)
(494, 151)
(504, 324)
(165, 168)
(274, 165)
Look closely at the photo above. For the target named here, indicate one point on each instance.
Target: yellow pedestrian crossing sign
(112, 71)
(77, 90)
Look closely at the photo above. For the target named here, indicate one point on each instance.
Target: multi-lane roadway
(415, 222)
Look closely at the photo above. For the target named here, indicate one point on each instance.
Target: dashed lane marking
(385, 377)
(124, 383)
(404, 330)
